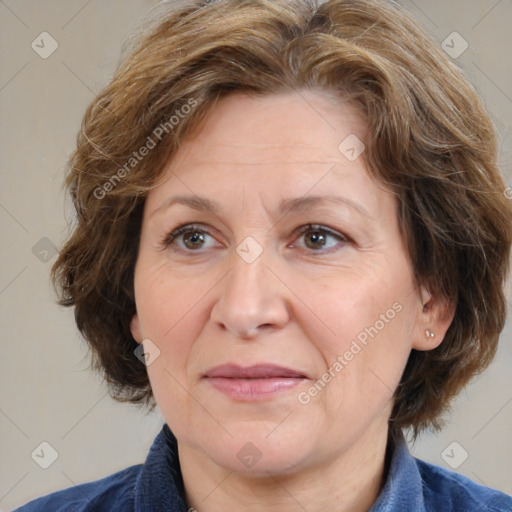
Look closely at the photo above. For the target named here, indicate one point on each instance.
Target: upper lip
(257, 371)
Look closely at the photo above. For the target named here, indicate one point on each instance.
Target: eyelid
(321, 227)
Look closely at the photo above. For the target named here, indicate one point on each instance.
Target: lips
(259, 382)
(259, 371)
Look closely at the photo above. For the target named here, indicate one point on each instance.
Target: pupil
(193, 238)
(317, 237)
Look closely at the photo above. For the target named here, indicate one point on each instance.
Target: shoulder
(452, 491)
(113, 493)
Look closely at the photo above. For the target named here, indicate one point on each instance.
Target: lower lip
(253, 389)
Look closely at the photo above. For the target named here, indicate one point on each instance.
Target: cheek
(369, 319)
(168, 315)
(349, 306)
(171, 319)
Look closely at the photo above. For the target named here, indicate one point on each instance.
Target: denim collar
(159, 486)
(403, 488)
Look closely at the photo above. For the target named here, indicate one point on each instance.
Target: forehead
(272, 147)
(291, 126)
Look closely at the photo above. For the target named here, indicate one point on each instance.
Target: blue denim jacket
(157, 486)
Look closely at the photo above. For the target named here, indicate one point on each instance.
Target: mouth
(253, 383)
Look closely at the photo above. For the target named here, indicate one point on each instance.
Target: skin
(300, 304)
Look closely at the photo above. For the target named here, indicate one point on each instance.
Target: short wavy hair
(430, 141)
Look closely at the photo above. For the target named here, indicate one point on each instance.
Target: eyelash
(171, 237)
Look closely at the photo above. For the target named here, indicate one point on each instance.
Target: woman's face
(290, 271)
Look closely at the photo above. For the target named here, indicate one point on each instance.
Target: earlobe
(433, 321)
(135, 328)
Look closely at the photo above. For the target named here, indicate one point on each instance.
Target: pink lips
(253, 383)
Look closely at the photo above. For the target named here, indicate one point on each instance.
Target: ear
(135, 328)
(435, 315)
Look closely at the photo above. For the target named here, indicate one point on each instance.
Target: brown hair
(430, 141)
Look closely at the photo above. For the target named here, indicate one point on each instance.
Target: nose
(252, 299)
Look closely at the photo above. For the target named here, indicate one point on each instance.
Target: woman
(293, 238)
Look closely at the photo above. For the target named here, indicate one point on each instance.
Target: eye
(317, 237)
(188, 237)
(192, 237)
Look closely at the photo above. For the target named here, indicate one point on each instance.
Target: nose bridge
(246, 279)
(251, 297)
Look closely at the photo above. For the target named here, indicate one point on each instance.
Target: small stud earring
(429, 333)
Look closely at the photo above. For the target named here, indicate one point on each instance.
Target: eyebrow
(297, 205)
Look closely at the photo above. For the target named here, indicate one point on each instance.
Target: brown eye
(319, 238)
(188, 238)
(316, 239)
(193, 239)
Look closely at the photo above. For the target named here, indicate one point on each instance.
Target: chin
(253, 461)
(253, 452)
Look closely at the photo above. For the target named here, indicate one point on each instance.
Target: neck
(349, 482)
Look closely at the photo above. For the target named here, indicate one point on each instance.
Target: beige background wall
(47, 393)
